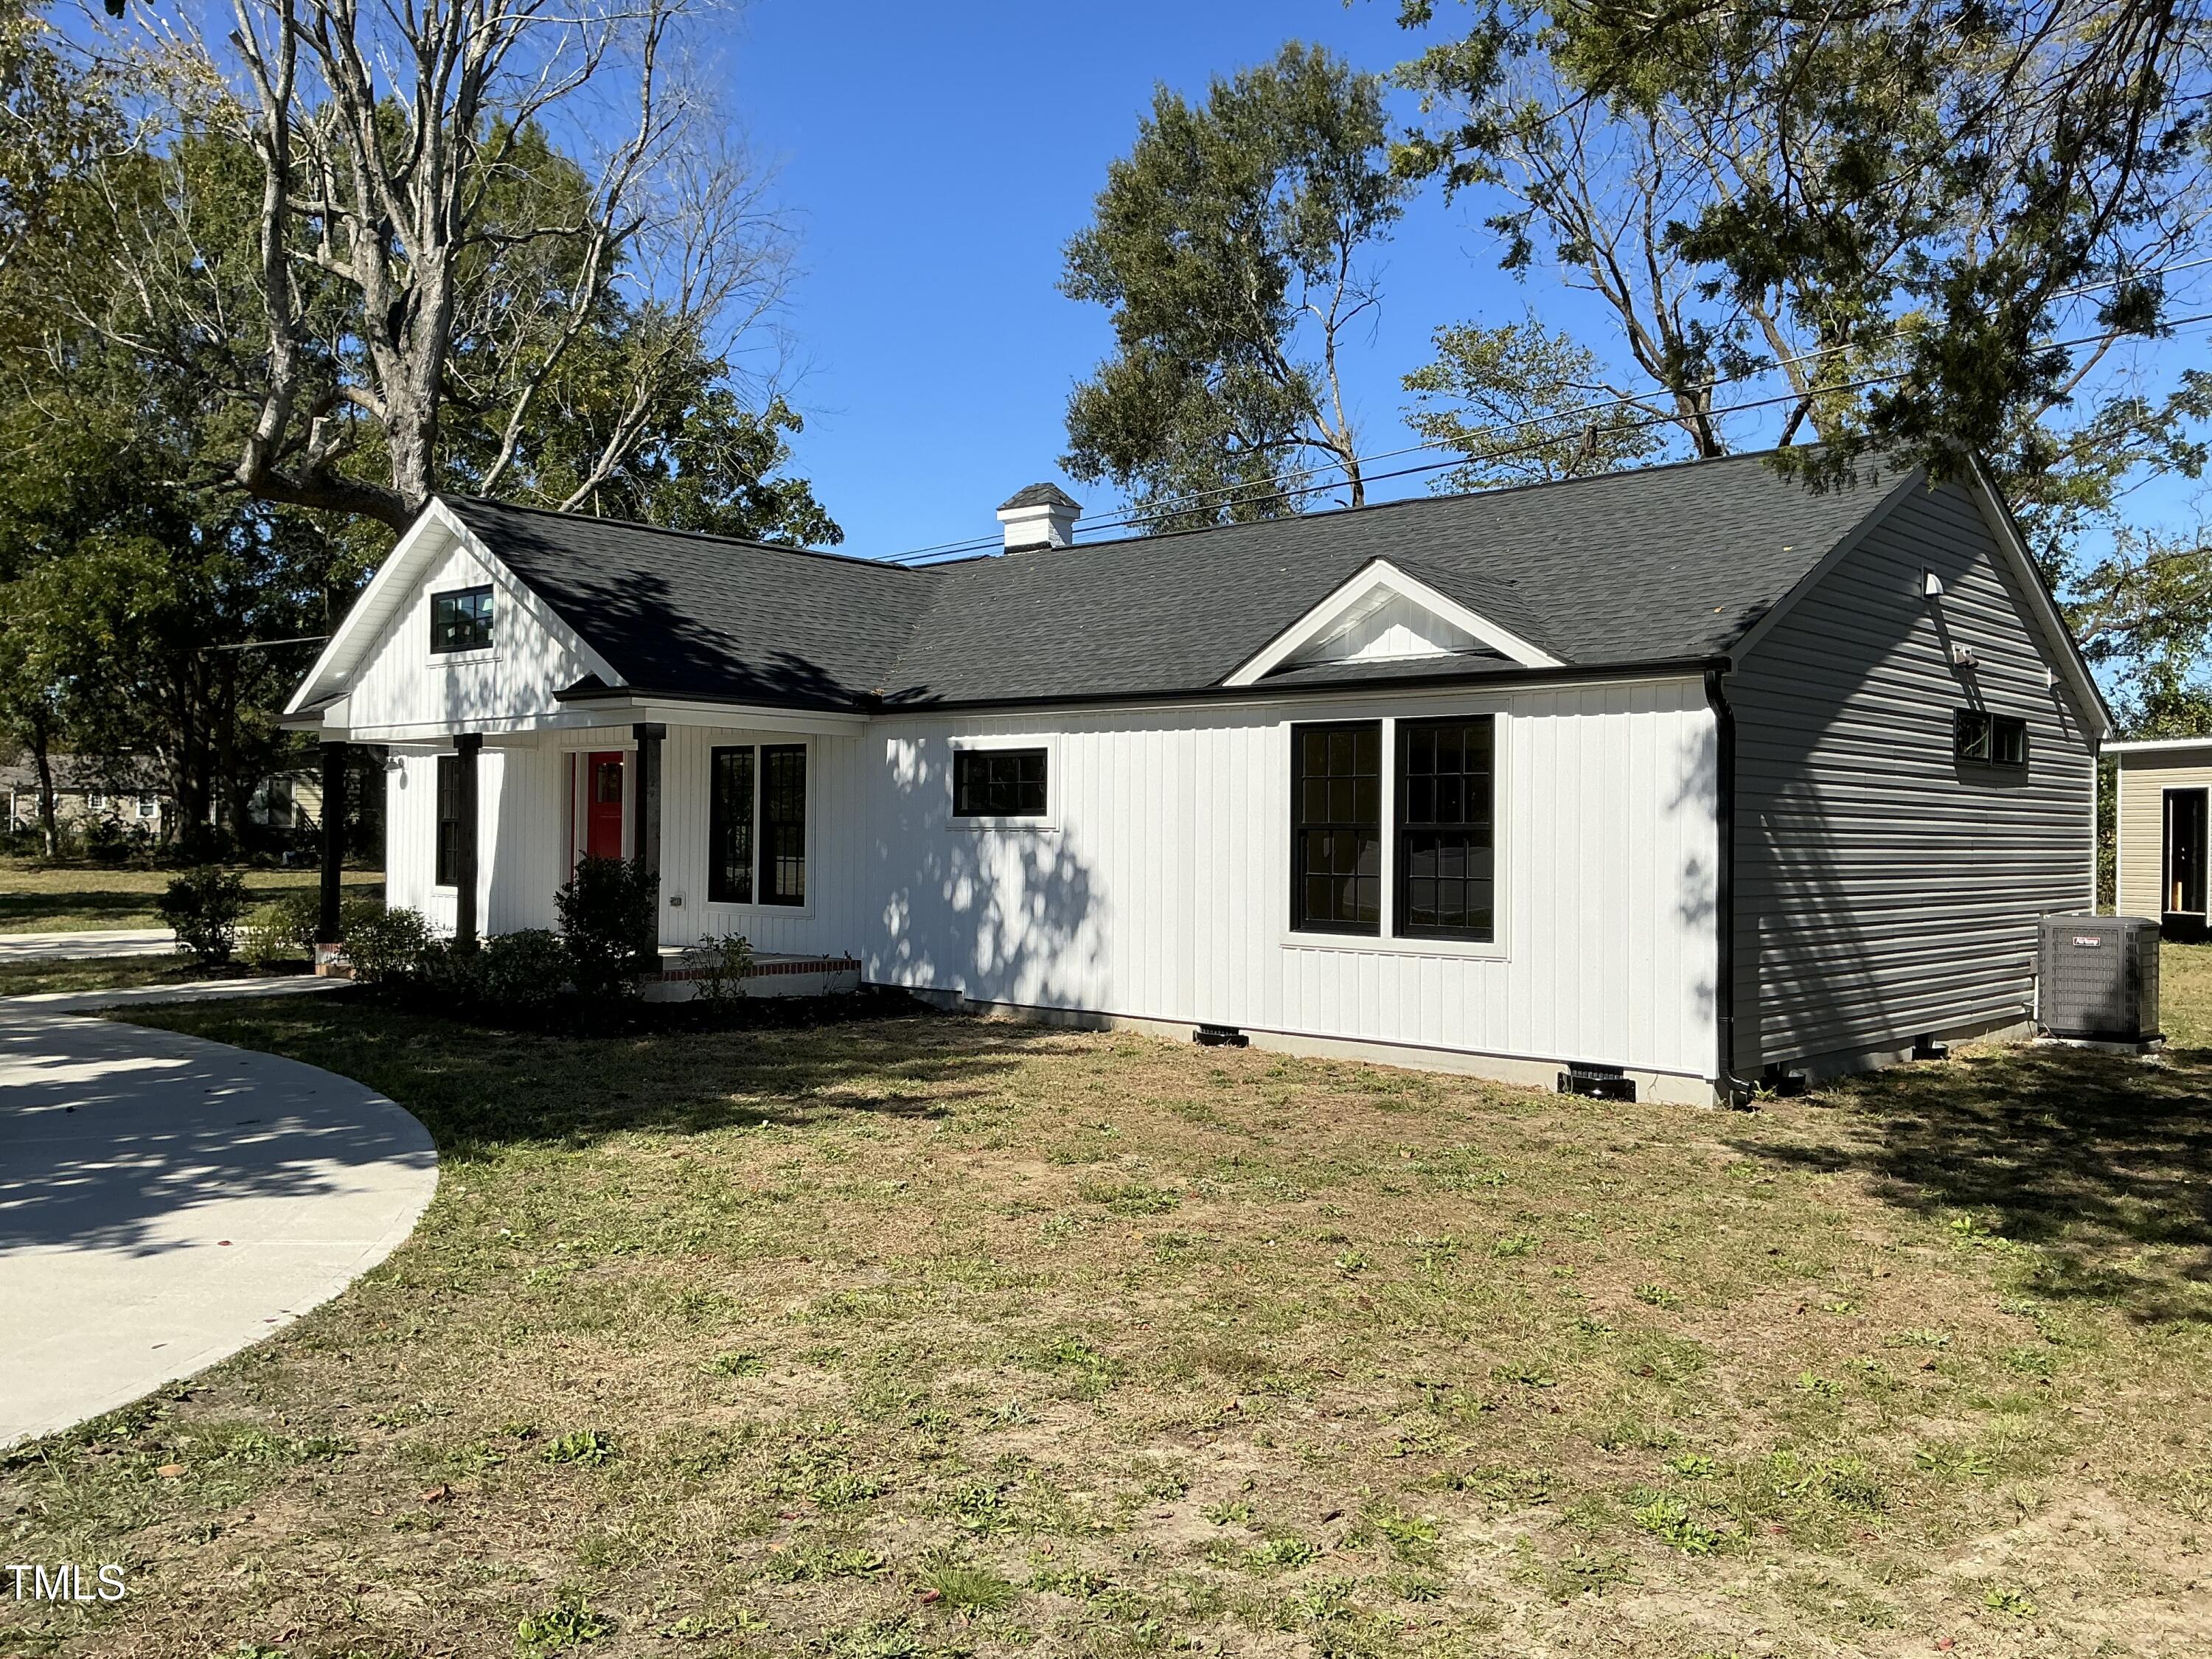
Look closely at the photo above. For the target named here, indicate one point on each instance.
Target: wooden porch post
(334, 811)
(647, 847)
(468, 745)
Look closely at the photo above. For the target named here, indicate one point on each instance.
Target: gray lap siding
(1883, 888)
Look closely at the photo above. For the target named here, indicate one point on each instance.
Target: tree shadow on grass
(2103, 1163)
(479, 1090)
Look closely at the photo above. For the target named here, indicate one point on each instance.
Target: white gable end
(392, 684)
(1389, 626)
(1382, 614)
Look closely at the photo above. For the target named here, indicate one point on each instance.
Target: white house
(1671, 779)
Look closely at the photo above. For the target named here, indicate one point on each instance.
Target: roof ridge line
(450, 496)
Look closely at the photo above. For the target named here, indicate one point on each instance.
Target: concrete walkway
(190, 990)
(166, 1201)
(100, 941)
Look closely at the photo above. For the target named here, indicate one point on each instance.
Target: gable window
(999, 783)
(730, 827)
(461, 620)
(1336, 846)
(1445, 839)
(449, 820)
(1986, 739)
(783, 823)
(757, 824)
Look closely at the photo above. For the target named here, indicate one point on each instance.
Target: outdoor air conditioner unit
(2099, 979)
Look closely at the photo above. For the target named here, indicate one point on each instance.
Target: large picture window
(999, 783)
(1445, 876)
(1336, 849)
(461, 620)
(757, 824)
(783, 823)
(730, 827)
(449, 820)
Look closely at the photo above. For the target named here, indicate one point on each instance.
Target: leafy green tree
(1524, 404)
(1228, 245)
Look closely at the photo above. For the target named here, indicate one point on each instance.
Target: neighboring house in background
(2160, 833)
(83, 791)
(1673, 779)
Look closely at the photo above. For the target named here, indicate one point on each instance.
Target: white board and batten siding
(1158, 888)
(1884, 890)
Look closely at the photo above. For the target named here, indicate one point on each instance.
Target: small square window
(461, 621)
(1981, 738)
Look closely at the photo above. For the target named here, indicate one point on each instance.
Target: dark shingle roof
(1667, 564)
(705, 616)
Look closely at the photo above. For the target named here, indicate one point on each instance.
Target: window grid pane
(999, 783)
(783, 823)
(461, 621)
(730, 827)
(449, 819)
(1336, 855)
(1446, 875)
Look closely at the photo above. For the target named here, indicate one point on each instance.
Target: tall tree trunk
(42, 759)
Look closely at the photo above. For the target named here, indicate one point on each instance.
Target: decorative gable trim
(1374, 586)
(437, 531)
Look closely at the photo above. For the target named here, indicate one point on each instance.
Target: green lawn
(927, 1335)
(38, 897)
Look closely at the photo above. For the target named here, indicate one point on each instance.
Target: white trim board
(1376, 581)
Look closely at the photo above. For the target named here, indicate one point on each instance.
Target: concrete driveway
(166, 1201)
(96, 942)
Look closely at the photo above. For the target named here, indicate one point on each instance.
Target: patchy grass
(936, 1336)
(34, 975)
(2184, 976)
(38, 897)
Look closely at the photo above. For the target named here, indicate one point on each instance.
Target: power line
(947, 551)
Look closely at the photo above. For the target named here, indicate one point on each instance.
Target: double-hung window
(460, 620)
(757, 824)
(1440, 832)
(1336, 848)
(449, 820)
(1445, 844)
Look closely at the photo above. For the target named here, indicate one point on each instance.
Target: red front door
(603, 804)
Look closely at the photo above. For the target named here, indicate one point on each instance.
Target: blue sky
(939, 158)
(936, 160)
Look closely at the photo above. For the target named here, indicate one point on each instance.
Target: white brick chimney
(1043, 515)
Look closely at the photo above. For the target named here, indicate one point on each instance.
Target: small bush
(387, 944)
(282, 930)
(721, 961)
(609, 912)
(203, 907)
(524, 970)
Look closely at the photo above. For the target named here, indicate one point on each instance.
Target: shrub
(526, 970)
(386, 944)
(282, 930)
(608, 912)
(203, 907)
(445, 976)
(721, 961)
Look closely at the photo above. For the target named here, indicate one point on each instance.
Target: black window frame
(1405, 827)
(446, 811)
(1302, 920)
(722, 888)
(1982, 738)
(451, 631)
(1008, 796)
(782, 836)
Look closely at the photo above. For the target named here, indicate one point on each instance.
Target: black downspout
(1733, 1092)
